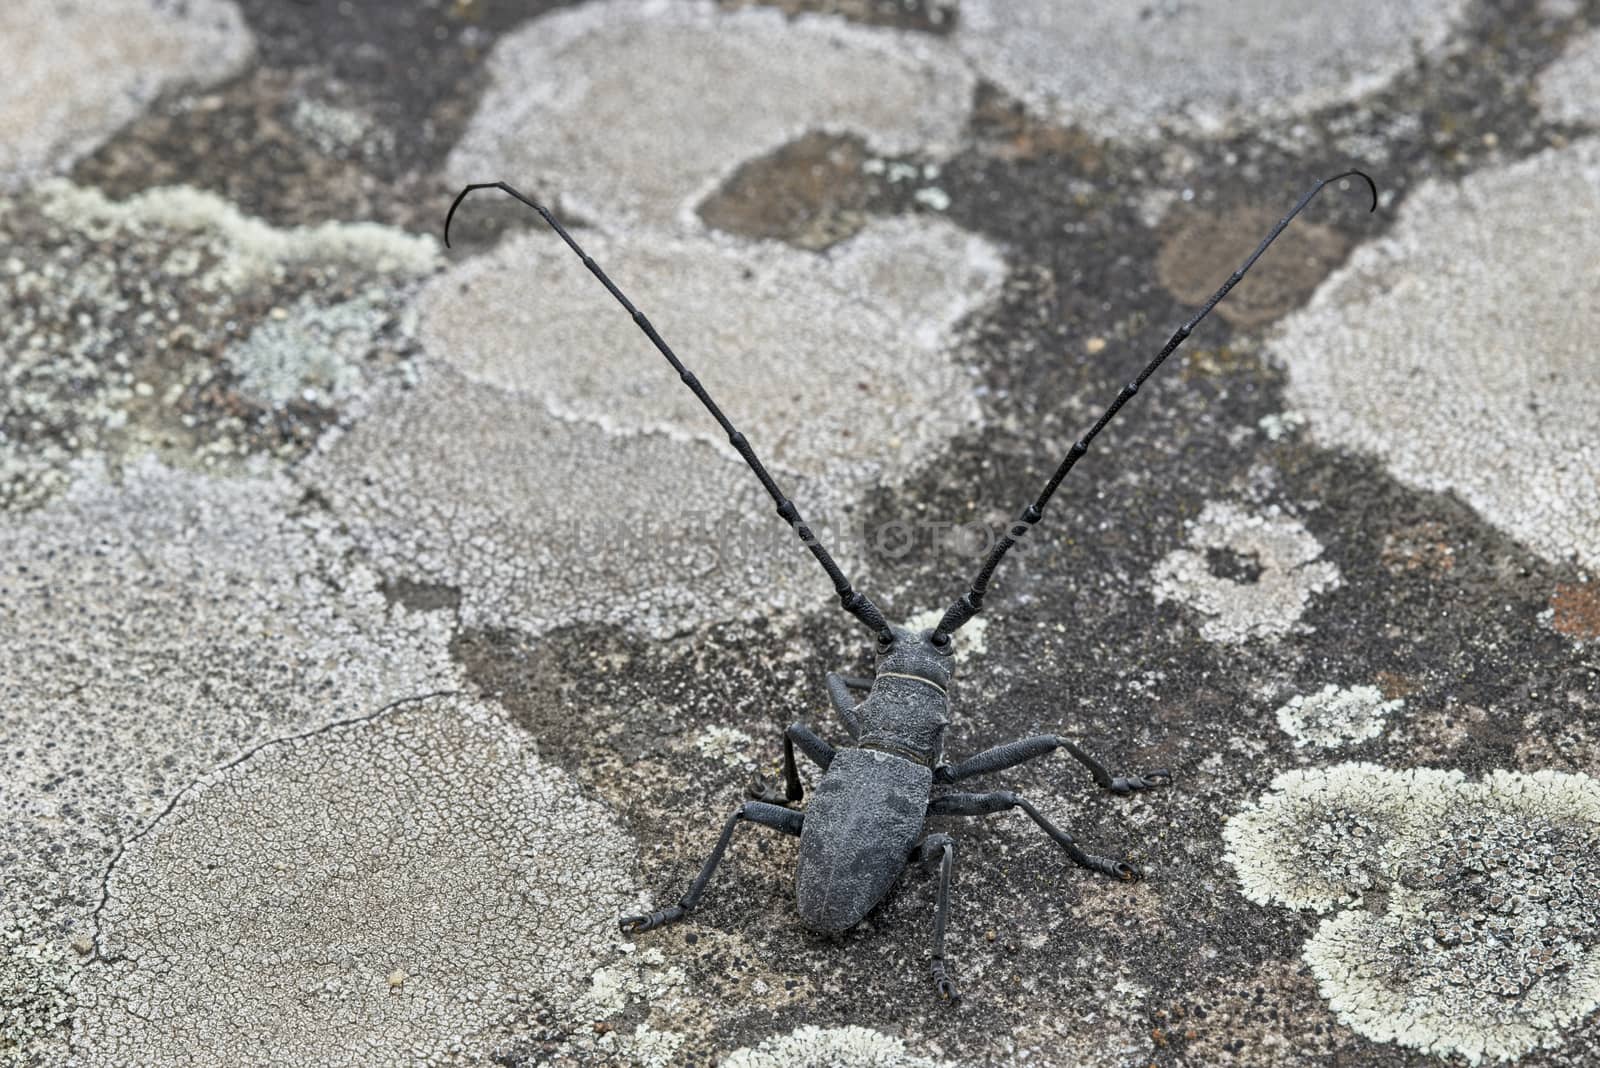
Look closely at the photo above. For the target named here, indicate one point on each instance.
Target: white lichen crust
(550, 464)
(153, 630)
(1268, 604)
(828, 363)
(1334, 716)
(828, 1047)
(399, 889)
(1128, 70)
(1569, 89)
(634, 112)
(1475, 919)
(1517, 438)
(75, 72)
(36, 1002)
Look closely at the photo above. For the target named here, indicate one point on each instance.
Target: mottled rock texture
(379, 621)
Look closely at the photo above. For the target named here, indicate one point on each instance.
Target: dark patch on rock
(1238, 567)
(420, 596)
(347, 113)
(1200, 248)
(811, 193)
(1005, 129)
(927, 16)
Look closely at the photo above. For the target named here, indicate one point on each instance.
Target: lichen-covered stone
(274, 903)
(633, 112)
(1270, 568)
(75, 72)
(1133, 69)
(1388, 359)
(1474, 920)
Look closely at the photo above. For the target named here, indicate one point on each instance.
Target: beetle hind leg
(940, 850)
(779, 819)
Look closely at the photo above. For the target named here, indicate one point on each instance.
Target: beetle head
(912, 652)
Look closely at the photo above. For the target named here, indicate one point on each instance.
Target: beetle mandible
(864, 825)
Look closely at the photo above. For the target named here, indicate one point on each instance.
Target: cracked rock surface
(379, 621)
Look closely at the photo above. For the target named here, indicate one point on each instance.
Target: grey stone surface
(1134, 69)
(632, 111)
(401, 887)
(156, 626)
(75, 72)
(1390, 356)
(377, 624)
(1569, 89)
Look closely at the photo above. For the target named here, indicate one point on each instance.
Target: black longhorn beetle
(862, 827)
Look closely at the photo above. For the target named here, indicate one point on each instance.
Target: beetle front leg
(812, 746)
(1117, 784)
(1011, 754)
(779, 819)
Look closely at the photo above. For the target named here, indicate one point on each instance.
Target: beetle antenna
(856, 603)
(972, 601)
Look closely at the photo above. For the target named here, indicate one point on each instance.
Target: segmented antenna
(972, 601)
(854, 602)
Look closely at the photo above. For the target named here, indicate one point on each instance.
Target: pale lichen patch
(828, 363)
(1569, 89)
(271, 903)
(1387, 329)
(1320, 837)
(152, 630)
(971, 641)
(36, 1000)
(829, 1047)
(1125, 70)
(1479, 931)
(251, 249)
(1334, 717)
(636, 111)
(728, 746)
(75, 73)
(556, 470)
(1278, 571)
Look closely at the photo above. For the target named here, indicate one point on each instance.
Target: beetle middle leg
(940, 849)
(812, 746)
(1013, 753)
(779, 819)
(1003, 800)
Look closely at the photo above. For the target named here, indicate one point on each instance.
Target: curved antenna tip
(1365, 177)
(451, 214)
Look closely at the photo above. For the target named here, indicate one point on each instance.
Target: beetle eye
(885, 643)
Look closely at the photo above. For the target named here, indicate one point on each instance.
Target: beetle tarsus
(760, 788)
(945, 985)
(1127, 784)
(658, 918)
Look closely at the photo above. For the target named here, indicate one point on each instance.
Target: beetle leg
(986, 804)
(779, 819)
(839, 687)
(1117, 784)
(940, 847)
(812, 746)
(1013, 753)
